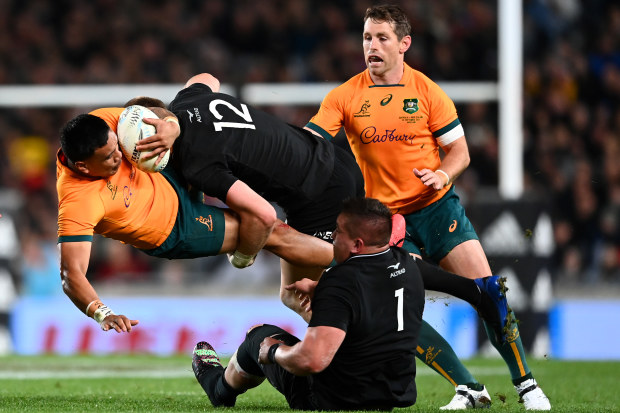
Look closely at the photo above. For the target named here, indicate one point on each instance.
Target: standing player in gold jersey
(396, 120)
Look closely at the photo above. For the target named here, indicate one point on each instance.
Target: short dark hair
(82, 136)
(368, 219)
(146, 101)
(392, 14)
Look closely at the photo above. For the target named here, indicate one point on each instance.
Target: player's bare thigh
(231, 232)
(467, 259)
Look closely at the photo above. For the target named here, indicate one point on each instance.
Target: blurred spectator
(571, 90)
(39, 266)
(119, 262)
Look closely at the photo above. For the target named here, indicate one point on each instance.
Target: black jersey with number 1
(223, 140)
(378, 300)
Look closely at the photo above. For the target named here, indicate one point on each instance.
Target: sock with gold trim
(511, 351)
(436, 353)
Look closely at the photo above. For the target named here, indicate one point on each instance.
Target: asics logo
(453, 226)
(386, 100)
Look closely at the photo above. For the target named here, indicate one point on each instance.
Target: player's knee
(281, 230)
(269, 218)
(252, 328)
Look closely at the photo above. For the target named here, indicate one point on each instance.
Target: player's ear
(405, 43)
(358, 246)
(81, 167)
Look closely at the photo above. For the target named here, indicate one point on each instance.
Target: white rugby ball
(130, 130)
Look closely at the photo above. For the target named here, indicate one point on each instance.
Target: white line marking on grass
(94, 374)
(172, 373)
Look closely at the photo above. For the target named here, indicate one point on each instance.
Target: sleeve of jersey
(330, 117)
(109, 115)
(78, 214)
(333, 302)
(443, 122)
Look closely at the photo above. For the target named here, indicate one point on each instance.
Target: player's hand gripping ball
(131, 130)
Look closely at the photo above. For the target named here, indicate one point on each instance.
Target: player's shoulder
(109, 115)
(76, 193)
(192, 95)
(351, 86)
(339, 275)
(419, 79)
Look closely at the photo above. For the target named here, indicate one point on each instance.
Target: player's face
(383, 52)
(343, 243)
(106, 160)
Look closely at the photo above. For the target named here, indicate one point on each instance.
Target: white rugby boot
(466, 398)
(532, 396)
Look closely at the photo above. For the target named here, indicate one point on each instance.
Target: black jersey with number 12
(224, 140)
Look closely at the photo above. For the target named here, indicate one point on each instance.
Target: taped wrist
(241, 260)
(97, 304)
(101, 313)
(171, 119)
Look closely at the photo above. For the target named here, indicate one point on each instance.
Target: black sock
(224, 393)
(219, 392)
(475, 386)
(440, 280)
(520, 380)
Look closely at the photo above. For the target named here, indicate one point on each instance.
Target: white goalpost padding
(510, 48)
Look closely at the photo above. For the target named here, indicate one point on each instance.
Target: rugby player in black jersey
(358, 352)
(248, 159)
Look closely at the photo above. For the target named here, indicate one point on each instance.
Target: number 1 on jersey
(399, 308)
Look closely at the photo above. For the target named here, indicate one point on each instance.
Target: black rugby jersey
(378, 299)
(223, 140)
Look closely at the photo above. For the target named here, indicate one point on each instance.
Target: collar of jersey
(368, 255)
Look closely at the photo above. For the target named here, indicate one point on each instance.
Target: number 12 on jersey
(243, 113)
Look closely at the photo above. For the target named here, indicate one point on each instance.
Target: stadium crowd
(571, 99)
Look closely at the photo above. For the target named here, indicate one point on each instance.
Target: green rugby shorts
(435, 230)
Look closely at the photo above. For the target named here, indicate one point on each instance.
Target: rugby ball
(131, 130)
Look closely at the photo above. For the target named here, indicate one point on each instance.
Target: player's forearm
(456, 159)
(79, 290)
(298, 361)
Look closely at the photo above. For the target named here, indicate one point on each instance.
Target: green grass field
(155, 384)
